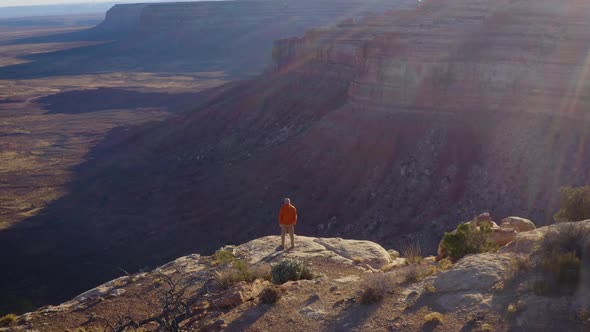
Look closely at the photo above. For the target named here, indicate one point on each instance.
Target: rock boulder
(267, 250)
(518, 224)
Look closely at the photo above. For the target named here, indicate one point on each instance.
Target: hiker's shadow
(352, 316)
(249, 317)
(278, 253)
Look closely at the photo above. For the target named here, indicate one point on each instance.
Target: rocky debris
(469, 282)
(502, 236)
(483, 219)
(462, 300)
(470, 285)
(240, 293)
(311, 313)
(474, 272)
(398, 262)
(346, 251)
(393, 254)
(347, 279)
(186, 264)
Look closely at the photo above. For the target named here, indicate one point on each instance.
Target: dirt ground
(38, 150)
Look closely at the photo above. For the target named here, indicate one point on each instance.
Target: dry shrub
(565, 268)
(416, 273)
(486, 328)
(240, 271)
(516, 307)
(563, 257)
(445, 264)
(433, 319)
(583, 314)
(357, 260)
(412, 252)
(519, 267)
(7, 319)
(540, 287)
(575, 204)
(374, 288)
(430, 289)
(271, 294)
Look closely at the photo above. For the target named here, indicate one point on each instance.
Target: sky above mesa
(10, 3)
(6, 3)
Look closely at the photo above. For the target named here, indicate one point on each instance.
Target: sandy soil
(38, 151)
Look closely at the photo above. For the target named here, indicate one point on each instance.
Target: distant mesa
(233, 36)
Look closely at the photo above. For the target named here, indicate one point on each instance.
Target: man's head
(287, 201)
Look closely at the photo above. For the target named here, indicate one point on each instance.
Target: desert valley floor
(49, 123)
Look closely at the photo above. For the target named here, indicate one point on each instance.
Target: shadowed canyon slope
(395, 127)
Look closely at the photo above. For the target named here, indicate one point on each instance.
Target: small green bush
(7, 320)
(223, 257)
(575, 204)
(271, 294)
(466, 240)
(290, 269)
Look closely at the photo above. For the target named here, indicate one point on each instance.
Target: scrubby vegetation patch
(271, 294)
(468, 239)
(575, 204)
(290, 269)
(7, 319)
(375, 287)
(240, 271)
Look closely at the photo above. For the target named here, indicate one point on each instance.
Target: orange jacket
(288, 215)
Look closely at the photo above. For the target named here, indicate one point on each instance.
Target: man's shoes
(279, 248)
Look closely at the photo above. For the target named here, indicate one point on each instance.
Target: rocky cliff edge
(500, 291)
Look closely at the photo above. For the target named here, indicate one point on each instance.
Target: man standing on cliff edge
(287, 221)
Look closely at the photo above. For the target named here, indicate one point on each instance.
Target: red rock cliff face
(467, 56)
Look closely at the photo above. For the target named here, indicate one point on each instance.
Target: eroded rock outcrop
(345, 251)
(500, 236)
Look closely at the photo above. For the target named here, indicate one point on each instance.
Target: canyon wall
(453, 108)
(121, 19)
(461, 56)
